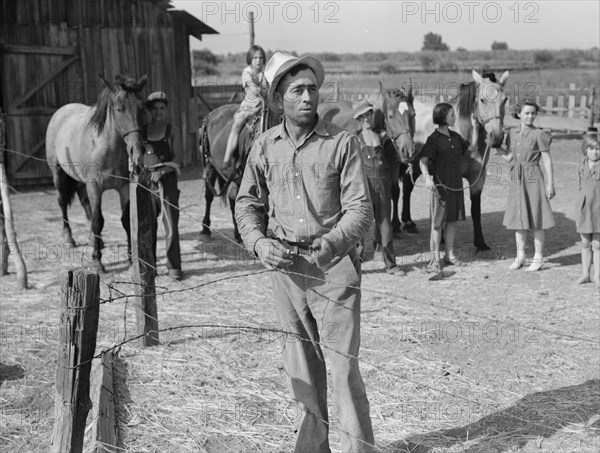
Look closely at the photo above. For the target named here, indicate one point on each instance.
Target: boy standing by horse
(307, 174)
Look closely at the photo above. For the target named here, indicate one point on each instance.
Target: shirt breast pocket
(326, 200)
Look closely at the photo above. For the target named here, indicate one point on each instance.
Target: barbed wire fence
(250, 324)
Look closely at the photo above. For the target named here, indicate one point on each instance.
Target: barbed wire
(122, 295)
(576, 336)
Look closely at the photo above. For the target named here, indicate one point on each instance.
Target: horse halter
(131, 132)
(398, 135)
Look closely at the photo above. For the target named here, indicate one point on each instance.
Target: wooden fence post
(103, 432)
(8, 230)
(3, 241)
(143, 243)
(80, 291)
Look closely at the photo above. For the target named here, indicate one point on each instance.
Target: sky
(389, 26)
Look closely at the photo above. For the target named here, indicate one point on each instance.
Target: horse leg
(479, 242)
(232, 194)
(85, 203)
(395, 199)
(208, 198)
(95, 195)
(407, 188)
(236, 232)
(125, 221)
(66, 187)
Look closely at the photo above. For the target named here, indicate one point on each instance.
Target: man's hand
(272, 253)
(322, 252)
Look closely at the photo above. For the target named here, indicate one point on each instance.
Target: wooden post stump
(143, 246)
(76, 345)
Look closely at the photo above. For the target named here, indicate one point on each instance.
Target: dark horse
(225, 181)
(88, 149)
(483, 97)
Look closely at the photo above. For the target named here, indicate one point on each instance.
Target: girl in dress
(528, 207)
(588, 205)
(441, 165)
(256, 88)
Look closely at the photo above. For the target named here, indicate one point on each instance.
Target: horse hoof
(205, 232)
(68, 240)
(410, 227)
(482, 248)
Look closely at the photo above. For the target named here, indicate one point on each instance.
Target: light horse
(220, 181)
(394, 114)
(88, 149)
(483, 97)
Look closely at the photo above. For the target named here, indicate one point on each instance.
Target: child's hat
(361, 107)
(157, 96)
(282, 62)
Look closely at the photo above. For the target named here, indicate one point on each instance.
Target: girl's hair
(439, 113)
(518, 107)
(590, 140)
(252, 50)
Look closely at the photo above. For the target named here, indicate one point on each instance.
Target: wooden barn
(52, 51)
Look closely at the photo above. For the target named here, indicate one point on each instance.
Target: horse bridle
(131, 132)
(397, 136)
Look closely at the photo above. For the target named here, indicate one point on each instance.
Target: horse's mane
(106, 99)
(466, 99)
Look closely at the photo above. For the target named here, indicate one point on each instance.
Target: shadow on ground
(535, 417)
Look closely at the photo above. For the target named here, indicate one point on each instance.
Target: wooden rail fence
(571, 110)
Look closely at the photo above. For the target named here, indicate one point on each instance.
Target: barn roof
(195, 26)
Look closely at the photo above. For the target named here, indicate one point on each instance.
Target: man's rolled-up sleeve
(251, 204)
(357, 209)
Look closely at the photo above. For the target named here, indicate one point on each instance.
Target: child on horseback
(256, 87)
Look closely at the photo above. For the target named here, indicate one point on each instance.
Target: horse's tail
(204, 143)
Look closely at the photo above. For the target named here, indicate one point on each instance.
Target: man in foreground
(307, 176)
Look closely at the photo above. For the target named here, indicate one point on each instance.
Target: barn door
(36, 81)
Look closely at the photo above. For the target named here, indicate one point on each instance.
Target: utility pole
(251, 28)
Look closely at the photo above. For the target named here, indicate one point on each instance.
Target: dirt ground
(480, 359)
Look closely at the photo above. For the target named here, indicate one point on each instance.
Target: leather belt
(297, 248)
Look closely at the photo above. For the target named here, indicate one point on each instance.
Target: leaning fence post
(143, 242)
(80, 291)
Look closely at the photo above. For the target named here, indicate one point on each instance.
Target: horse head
(122, 103)
(488, 105)
(399, 120)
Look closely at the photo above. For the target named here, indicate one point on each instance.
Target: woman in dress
(528, 207)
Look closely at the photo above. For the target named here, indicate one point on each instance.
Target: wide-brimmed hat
(361, 107)
(281, 63)
(157, 96)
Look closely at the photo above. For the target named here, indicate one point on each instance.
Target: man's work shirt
(318, 189)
